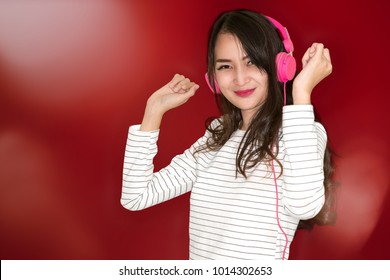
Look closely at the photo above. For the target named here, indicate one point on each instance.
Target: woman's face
(240, 81)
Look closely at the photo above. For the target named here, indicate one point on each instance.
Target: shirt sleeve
(304, 143)
(142, 187)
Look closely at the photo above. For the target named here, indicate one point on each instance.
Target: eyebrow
(224, 60)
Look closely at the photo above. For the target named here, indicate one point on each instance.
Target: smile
(244, 93)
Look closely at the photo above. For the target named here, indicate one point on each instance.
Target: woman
(259, 169)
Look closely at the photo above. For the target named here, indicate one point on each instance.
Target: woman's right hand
(172, 95)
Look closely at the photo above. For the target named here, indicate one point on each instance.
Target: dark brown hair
(261, 43)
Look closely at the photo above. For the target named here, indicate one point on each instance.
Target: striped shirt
(233, 217)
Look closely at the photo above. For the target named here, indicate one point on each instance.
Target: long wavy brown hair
(261, 43)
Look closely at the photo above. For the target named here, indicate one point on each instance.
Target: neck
(246, 119)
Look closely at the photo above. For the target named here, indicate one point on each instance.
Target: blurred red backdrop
(75, 74)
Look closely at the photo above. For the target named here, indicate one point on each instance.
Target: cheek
(223, 80)
(220, 80)
(260, 76)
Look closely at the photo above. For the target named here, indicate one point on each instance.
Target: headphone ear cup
(286, 66)
(217, 90)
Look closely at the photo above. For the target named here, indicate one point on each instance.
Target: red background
(75, 74)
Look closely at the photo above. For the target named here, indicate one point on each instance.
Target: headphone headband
(283, 32)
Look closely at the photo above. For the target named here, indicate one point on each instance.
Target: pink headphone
(285, 62)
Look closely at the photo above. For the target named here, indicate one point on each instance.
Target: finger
(176, 79)
(182, 88)
(188, 94)
(329, 66)
(319, 50)
(187, 86)
(311, 51)
(182, 85)
(306, 57)
(327, 54)
(191, 91)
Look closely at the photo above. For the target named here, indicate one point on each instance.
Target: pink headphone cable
(277, 210)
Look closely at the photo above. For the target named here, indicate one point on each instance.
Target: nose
(241, 76)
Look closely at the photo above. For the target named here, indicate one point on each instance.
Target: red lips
(244, 93)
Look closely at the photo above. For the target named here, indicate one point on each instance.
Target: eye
(249, 63)
(223, 67)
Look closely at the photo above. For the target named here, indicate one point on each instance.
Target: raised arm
(142, 187)
(304, 139)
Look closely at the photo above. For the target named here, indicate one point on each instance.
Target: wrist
(301, 96)
(152, 119)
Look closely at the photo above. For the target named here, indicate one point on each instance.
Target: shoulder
(214, 123)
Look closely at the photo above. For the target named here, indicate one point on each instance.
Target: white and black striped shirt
(232, 217)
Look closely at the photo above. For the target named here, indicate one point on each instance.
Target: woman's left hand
(316, 65)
